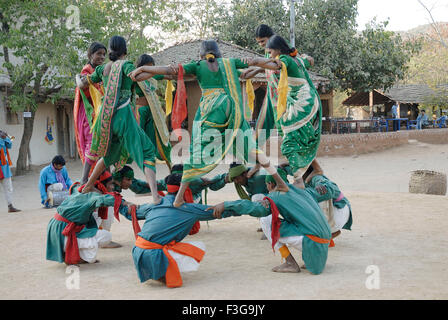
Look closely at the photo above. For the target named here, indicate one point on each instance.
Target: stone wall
(433, 136)
(361, 143)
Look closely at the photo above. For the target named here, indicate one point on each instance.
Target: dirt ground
(398, 244)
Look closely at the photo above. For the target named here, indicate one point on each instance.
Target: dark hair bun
(113, 56)
(210, 47)
(117, 47)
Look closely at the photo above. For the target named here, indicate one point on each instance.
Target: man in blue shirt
(5, 171)
(53, 178)
(442, 121)
(395, 116)
(422, 120)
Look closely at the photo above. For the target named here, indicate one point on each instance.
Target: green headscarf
(282, 173)
(235, 172)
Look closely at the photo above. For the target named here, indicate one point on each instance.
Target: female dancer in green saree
(152, 117)
(298, 109)
(220, 113)
(267, 118)
(116, 133)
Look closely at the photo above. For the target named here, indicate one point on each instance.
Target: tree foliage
(327, 30)
(430, 65)
(244, 16)
(44, 44)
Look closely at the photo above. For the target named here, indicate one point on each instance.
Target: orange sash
(135, 224)
(173, 277)
(320, 240)
(3, 158)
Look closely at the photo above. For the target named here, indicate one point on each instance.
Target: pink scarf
(59, 176)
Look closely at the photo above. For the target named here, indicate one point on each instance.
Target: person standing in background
(395, 116)
(5, 172)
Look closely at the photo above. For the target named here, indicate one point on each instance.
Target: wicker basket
(428, 182)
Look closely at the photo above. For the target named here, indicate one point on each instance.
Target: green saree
(220, 117)
(301, 123)
(116, 133)
(152, 120)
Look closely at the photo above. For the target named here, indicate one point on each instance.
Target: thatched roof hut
(408, 96)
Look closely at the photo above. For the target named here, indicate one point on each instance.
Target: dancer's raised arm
(146, 72)
(273, 64)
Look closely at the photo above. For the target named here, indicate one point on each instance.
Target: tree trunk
(28, 125)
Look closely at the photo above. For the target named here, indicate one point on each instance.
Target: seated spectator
(54, 180)
(422, 120)
(442, 121)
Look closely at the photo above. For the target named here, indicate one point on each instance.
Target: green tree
(244, 16)
(140, 22)
(372, 59)
(50, 38)
(327, 30)
(44, 36)
(429, 65)
(201, 18)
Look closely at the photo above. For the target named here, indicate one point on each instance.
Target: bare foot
(157, 199)
(336, 234)
(85, 262)
(290, 266)
(162, 280)
(111, 245)
(287, 268)
(179, 203)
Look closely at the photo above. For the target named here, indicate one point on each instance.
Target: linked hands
(217, 210)
(322, 190)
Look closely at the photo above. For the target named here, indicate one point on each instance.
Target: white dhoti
(294, 241)
(7, 188)
(186, 263)
(88, 247)
(341, 217)
(337, 218)
(105, 224)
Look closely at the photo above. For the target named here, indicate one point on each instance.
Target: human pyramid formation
(119, 120)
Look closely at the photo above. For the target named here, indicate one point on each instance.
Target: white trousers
(341, 217)
(88, 247)
(105, 224)
(294, 241)
(186, 263)
(7, 189)
(337, 218)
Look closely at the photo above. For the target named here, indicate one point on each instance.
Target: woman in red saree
(84, 110)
